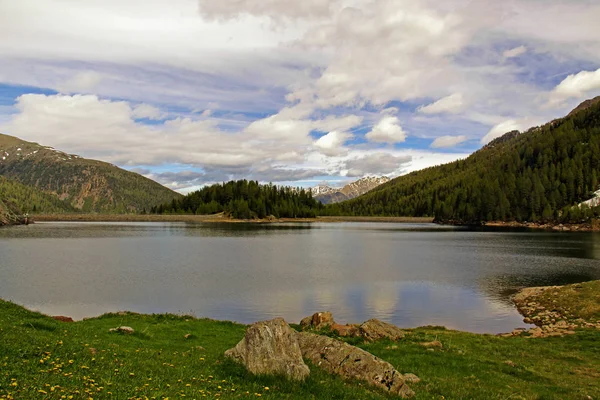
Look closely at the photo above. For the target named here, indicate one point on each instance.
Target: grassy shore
(172, 357)
(213, 218)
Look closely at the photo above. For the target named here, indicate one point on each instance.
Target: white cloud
(576, 86)
(387, 130)
(448, 141)
(452, 104)
(376, 164)
(500, 129)
(331, 143)
(276, 9)
(81, 82)
(515, 52)
(148, 111)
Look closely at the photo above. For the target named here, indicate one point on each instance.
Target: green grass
(46, 359)
(580, 300)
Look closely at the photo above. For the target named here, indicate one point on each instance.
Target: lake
(406, 274)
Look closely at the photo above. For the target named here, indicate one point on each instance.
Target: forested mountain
(539, 175)
(85, 185)
(30, 199)
(245, 200)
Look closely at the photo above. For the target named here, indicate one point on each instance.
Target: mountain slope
(30, 199)
(86, 185)
(537, 175)
(328, 195)
(9, 213)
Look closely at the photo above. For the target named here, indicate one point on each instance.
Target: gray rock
(375, 329)
(350, 362)
(123, 329)
(270, 347)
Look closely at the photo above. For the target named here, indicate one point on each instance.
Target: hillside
(30, 199)
(8, 213)
(85, 185)
(245, 200)
(539, 175)
(329, 195)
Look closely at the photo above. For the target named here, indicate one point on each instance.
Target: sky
(192, 92)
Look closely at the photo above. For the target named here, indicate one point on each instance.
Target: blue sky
(191, 92)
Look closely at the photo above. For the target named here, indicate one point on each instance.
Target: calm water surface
(409, 275)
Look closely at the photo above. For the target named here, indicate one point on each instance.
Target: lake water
(407, 274)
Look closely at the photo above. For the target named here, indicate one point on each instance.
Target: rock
(375, 329)
(62, 318)
(432, 345)
(346, 330)
(350, 362)
(123, 329)
(318, 320)
(411, 378)
(270, 347)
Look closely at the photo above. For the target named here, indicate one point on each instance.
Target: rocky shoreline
(558, 310)
(593, 226)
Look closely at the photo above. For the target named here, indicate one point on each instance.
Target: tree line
(245, 199)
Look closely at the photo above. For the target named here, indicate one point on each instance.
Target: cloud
(81, 82)
(376, 164)
(331, 143)
(448, 141)
(452, 104)
(275, 9)
(515, 52)
(387, 130)
(500, 129)
(147, 111)
(576, 86)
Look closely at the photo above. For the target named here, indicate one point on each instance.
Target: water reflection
(406, 274)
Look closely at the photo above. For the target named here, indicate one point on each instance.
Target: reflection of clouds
(402, 274)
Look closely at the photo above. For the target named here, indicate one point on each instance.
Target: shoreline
(593, 226)
(217, 218)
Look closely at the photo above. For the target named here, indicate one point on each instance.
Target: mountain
(30, 199)
(83, 184)
(329, 195)
(539, 175)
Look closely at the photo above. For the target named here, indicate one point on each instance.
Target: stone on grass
(350, 362)
(319, 320)
(123, 329)
(375, 329)
(270, 347)
(411, 378)
(432, 344)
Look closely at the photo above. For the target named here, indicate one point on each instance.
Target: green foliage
(245, 200)
(539, 175)
(30, 199)
(86, 185)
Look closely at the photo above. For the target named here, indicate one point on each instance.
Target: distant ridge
(328, 195)
(83, 184)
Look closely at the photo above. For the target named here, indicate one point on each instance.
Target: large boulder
(270, 347)
(319, 320)
(350, 362)
(375, 329)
